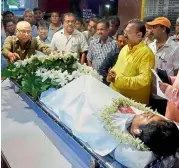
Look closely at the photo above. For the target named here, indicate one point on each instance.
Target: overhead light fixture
(107, 6)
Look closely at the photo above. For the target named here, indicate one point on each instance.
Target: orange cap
(160, 20)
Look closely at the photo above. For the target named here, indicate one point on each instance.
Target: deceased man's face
(144, 119)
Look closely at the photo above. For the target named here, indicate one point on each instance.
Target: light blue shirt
(47, 40)
(34, 31)
(51, 32)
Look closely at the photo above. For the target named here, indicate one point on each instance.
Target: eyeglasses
(127, 33)
(70, 21)
(24, 31)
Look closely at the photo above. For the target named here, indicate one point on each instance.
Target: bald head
(23, 31)
(23, 25)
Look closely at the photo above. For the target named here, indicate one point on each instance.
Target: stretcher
(21, 108)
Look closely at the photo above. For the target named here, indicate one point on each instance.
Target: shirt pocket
(75, 46)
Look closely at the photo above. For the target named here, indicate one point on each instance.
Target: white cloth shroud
(78, 105)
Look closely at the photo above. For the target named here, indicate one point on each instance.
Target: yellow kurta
(134, 77)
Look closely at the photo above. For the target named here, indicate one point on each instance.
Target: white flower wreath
(115, 131)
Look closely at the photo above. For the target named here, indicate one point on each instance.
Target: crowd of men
(124, 58)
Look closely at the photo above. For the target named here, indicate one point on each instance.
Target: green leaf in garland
(44, 87)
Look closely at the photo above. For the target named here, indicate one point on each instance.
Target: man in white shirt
(70, 39)
(167, 56)
(165, 49)
(90, 33)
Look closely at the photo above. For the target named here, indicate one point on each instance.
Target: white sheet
(78, 106)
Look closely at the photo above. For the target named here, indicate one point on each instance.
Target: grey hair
(28, 11)
(177, 21)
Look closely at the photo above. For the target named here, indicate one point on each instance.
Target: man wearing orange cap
(166, 53)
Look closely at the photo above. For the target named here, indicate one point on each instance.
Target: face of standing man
(132, 34)
(102, 31)
(69, 23)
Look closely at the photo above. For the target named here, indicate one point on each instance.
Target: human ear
(16, 32)
(139, 34)
(137, 131)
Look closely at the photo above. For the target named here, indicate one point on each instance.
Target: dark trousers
(159, 105)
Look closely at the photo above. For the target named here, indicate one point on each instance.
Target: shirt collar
(75, 32)
(109, 39)
(136, 46)
(167, 43)
(33, 27)
(28, 43)
(115, 35)
(50, 27)
(46, 40)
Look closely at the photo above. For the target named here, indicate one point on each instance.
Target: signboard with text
(168, 8)
(87, 14)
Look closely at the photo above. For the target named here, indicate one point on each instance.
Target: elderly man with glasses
(23, 45)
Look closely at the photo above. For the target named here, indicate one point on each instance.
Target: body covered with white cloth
(79, 105)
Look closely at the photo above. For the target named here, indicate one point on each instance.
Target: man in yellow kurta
(131, 75)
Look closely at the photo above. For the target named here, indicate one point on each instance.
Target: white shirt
(47, 40)
(167, 57)
(174, 38)
(75, 43)
(85, 33)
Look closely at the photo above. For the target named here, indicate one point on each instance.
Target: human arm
(83, 58)
(111, 76)
(172, 79)
(89, 63)
(7, 50)
(170, 92)
(142, 79)
(107, 64)
(84, 49)
(90, 55)
(7, 47)
(44, 48)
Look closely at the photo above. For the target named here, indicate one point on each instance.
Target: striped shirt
(98, 51)
(167, 57)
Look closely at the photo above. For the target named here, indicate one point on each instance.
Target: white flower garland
(62, 78)
(121, 136)
(42, 58)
